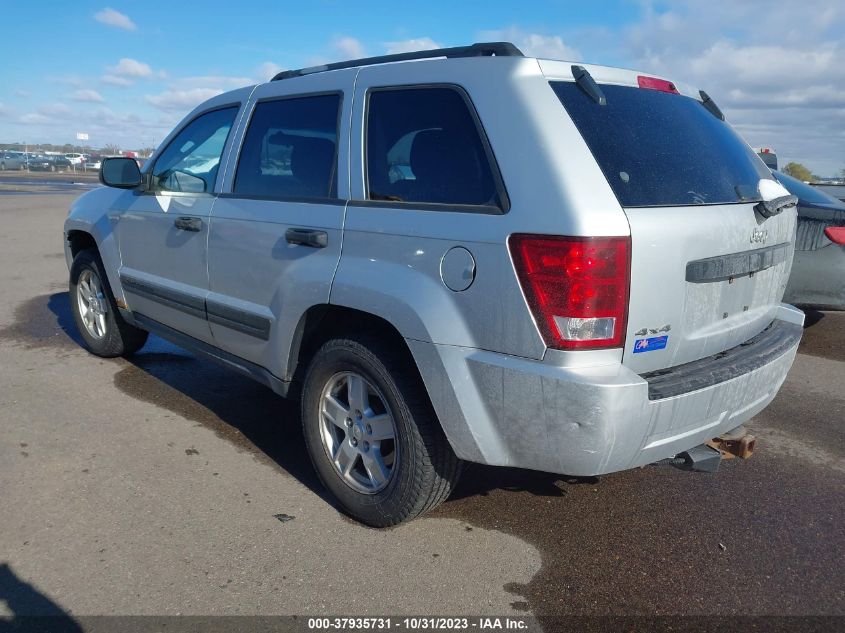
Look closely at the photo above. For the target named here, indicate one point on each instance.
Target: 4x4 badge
(648, 330)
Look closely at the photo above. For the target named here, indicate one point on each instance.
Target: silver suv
(475, 257)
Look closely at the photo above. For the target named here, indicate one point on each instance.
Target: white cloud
(774, 67)
(66, 80)
(533, 44)
(87, 95)
(224, 82)
(114, 80)
(116, 19)
(414, 44)
(34, 118)
(182, 100)
(130, 68)
(267, 71)
(55, 109)
(108, 118)
(348, 47)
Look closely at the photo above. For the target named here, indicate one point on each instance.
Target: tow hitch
(706, 457)
(736, 443)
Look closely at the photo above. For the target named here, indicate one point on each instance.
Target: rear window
(662, 149)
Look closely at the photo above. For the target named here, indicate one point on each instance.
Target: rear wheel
(103, 329)
(372, 434)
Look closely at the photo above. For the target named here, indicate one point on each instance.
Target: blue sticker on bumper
(650, 344)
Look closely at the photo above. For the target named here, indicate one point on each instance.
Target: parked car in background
(12, 160)
(837, 191)
(50, 163)
(818, 268)
(542, 267)
(74, 158)
(93, 163)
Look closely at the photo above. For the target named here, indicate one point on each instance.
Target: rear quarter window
(662, 149)
(424, 145)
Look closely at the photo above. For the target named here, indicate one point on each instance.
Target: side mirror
(120, 172)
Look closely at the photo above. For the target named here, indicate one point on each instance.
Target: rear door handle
(187, 223)
(307, 237)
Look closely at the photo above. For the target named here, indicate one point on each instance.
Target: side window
(190, 162)
(290, 149)
(424, 145)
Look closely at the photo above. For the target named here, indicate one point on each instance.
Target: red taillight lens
(576, 287)
(836, 234)
(653, 83)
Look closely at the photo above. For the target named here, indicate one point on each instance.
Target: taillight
(576, 287)
(836, 234)
(653, 83)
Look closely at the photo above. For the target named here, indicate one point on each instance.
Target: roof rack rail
(485, 49)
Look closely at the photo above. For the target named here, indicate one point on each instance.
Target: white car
(75, 159)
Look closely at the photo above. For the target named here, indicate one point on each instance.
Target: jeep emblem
(759, 236)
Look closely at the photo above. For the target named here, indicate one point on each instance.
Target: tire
(423, 469)
(104, 331)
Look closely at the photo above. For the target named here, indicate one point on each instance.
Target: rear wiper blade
(586, 82)
(708, 103)
(768, 208)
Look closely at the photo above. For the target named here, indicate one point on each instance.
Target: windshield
(806, 193)
(662, 149)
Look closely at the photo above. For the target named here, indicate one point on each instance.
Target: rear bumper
(508, 411)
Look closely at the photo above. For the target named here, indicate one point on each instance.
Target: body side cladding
(245, 367)
(236, 319)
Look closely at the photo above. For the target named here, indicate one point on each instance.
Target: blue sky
(127, 72)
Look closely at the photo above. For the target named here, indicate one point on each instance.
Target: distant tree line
(799, 171)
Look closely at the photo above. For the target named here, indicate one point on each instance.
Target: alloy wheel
(358, 432)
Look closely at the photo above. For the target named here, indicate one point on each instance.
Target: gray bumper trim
(756, 352)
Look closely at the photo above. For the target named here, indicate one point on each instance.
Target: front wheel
(103, 329)
(372, 434)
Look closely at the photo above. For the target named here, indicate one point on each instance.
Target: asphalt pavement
(166, 485)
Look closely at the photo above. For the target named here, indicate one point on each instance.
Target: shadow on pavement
(478, 480)
(811, 317)
(236, 408)
(31, 610)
